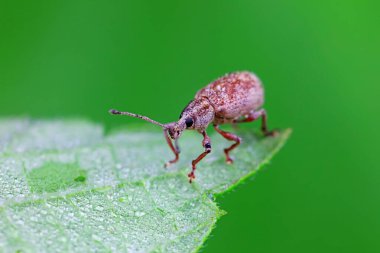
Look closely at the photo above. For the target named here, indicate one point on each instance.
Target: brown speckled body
(233, 98)
(233, 95)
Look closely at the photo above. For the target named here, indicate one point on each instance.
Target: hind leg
(254, 115)
(230, 137)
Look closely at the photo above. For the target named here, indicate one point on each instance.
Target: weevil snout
(175, 130)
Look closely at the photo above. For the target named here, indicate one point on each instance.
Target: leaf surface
(66, 186)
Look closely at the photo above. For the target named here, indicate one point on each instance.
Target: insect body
(234, 98)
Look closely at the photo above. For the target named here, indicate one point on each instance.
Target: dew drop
(139, 214)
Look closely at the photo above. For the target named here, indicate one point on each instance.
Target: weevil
(234, 98)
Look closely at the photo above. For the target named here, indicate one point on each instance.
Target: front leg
(206, 143)
(175, 149)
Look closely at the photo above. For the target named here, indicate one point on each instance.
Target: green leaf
(65, 186)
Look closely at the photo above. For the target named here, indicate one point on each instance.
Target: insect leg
(206, 143)
(175, 149)
(230, 137)
(254, 115)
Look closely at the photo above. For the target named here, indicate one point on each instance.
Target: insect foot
(191, 176)
(229, 160)
(167, 164)
(272, 133)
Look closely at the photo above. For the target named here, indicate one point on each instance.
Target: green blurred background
(319, 61)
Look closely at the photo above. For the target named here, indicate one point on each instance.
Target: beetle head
(196, 115)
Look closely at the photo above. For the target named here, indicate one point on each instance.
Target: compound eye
(189, 122)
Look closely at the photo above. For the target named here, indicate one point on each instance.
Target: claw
(191, 176)
(273, 133)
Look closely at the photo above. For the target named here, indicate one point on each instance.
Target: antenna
(116, 112)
